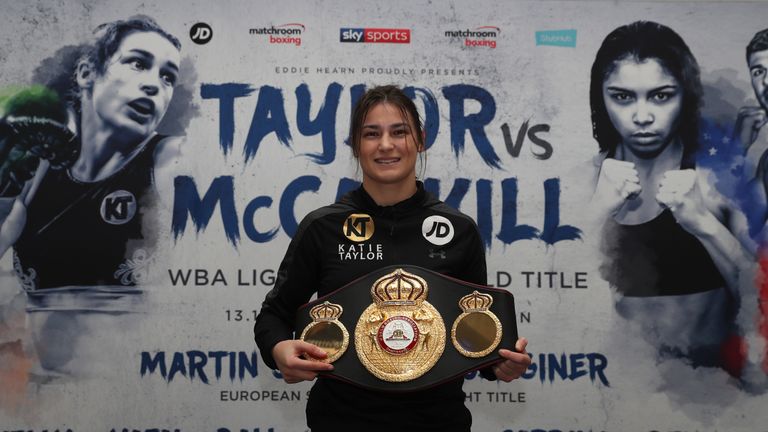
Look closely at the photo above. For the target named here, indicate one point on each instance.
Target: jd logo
(358, 227)
(201, 33)
(118, 208)
(437, 230)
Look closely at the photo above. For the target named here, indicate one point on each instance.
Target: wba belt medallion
(477, 331)
(326, 331)
(400, 336)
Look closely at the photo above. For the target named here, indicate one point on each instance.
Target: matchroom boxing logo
(375, 35)
(483, 36)
(281, 34)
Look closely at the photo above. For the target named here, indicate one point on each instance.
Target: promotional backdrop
(263, 102)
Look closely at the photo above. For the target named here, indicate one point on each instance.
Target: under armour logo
(437, 253)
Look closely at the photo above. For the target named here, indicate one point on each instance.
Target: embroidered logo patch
(118, 208)
(438, 230)
(358, 227)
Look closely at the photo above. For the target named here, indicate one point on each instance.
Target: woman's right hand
(618, 182)
(33, 127)
(295, 368)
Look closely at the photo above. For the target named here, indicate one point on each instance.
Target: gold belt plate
(477, 331)
(326, 331)
(400, 336)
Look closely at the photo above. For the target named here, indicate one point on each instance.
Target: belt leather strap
(444, 297)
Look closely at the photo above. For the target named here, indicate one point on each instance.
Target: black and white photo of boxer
(76, 230)
(669, 247)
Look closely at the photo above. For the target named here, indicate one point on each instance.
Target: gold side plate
(477, 331)
(326, 331)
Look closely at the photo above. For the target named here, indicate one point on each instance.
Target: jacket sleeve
(294, 286)
(475, 269)
(477, 272)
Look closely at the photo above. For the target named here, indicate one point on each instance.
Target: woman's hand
(618, 182)
(515, 363)
(287, 355)
(679, 191)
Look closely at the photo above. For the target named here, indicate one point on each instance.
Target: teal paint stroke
(561, 38)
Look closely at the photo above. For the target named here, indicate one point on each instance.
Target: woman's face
(388, 147)
(643, 101)
(136, 87)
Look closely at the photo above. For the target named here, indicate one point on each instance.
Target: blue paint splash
(724, 156)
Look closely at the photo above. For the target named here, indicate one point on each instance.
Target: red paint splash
(762, 303)
(15, 367)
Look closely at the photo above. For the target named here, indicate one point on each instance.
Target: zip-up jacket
(337, 244)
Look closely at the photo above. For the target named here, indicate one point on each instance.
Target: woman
(387, 210)
(667, 238)
(77, 233)
(123, 86)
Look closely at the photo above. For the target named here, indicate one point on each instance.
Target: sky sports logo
(375, 35)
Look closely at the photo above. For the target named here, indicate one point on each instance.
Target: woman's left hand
(515, 363)
(679, 191)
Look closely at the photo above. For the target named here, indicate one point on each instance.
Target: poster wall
(255, 137)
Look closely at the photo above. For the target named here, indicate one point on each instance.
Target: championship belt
(411, 328)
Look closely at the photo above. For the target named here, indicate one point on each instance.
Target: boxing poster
(612, 154)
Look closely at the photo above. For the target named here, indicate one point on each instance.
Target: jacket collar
(359, 198)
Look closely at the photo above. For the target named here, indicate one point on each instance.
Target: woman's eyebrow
(391, 126)
(151, 56)
(618, 88)
(661, 87)
(142, 52)
(666, 87)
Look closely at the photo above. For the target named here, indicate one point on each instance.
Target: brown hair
(639, 41)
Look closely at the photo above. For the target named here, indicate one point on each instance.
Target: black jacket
(337, 244)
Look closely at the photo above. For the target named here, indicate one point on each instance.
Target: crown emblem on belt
(399, 288)
(326, 311)
(475, 302)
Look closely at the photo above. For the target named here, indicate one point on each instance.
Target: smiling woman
(384, 222)
(387, 149)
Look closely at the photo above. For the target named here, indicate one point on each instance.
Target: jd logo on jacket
(438, 230)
